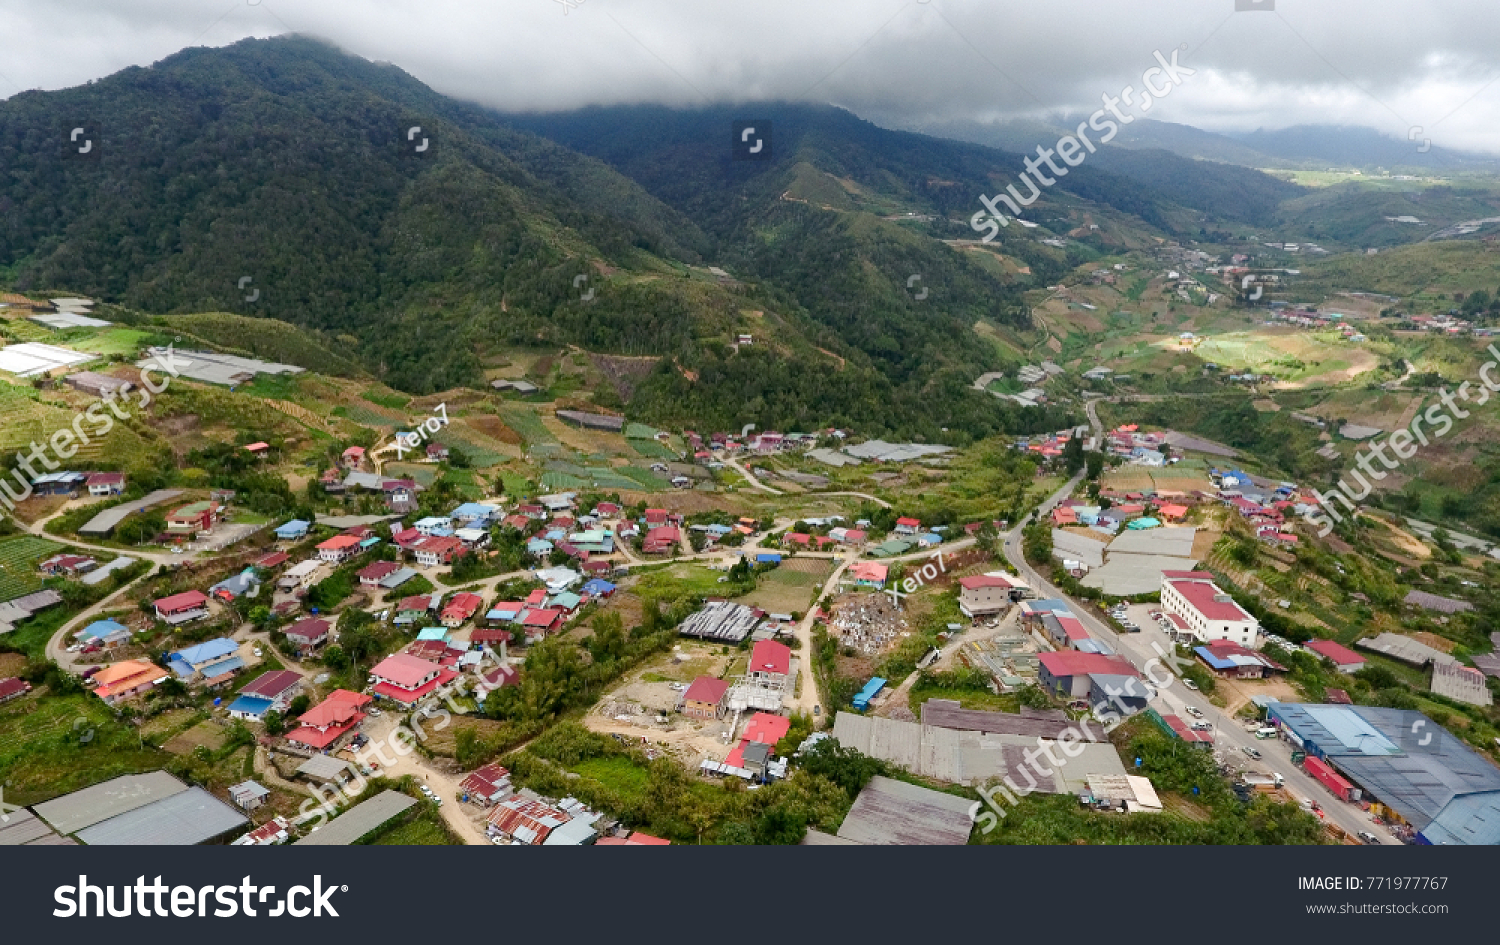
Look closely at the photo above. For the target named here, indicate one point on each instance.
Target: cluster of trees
(669, 802)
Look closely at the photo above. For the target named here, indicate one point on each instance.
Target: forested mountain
(287, 161)
(1155, 174)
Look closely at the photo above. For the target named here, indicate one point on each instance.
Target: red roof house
(661, 540)
(338, 549)
(406, 679)
(461, 608)
(1344, 659)
(371, 575)
(540, 621)
(309, 633)
(181, 607)
(704, 699)
(329, 720)
(769, 658)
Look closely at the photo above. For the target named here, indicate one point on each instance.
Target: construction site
(722, 621)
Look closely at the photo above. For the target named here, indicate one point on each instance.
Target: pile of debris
(868, 622)
(624, 710)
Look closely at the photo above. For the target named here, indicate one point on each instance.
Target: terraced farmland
(370, 416)
(528, 424)
(560, 482)
(651, 449)
(645, 478)
(18, 558)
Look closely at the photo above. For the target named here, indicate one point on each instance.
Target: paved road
(57, 647)
(750, 478)
(1229, 733)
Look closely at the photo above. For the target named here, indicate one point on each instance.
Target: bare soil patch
(206, 734)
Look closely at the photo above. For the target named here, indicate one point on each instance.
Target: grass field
(59, 744)
(561, 482)
(426, 829)
(1288, 354)
(678, 581)
(785, 589)
(390, 401)
(619, 774)
(112, 341)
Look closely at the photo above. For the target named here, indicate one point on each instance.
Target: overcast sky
(1387, 64)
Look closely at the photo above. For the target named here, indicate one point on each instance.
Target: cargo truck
(1324, 774)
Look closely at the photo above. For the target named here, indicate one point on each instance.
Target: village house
(460, 609)
(524, 821)
(302, 575)
(212, 663)
(870, 574)
(371, 575)
(275, 831)
(13, 688)
(308, 635)
(434, 526)
(661, 540)
(488, 785)
(435, 552)
(1343, 659)
(106, 483)
(325, 725)
(984, 595)
(538, 622)
(127, 679)
(1229, 659)
(181, 608)
(769, 662)
(705, 698)
(908, 526)
(406, 679)
(338, 549)
(269, 692)
(417, 607)
(195, 519)
(68, 564)
(236, 586)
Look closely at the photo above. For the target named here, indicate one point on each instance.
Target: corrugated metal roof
(359, 820)
(894, 812)
(183, 819)
(73, 812)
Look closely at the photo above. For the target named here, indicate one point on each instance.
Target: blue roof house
(214, 662)
(293, 530)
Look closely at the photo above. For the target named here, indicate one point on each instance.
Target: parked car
(373, 712)
(1366, 836)
(1193, 710)
(1190, 684)
(1252, 752)
(1202, 726)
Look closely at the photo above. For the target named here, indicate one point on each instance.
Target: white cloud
(1387, 64)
